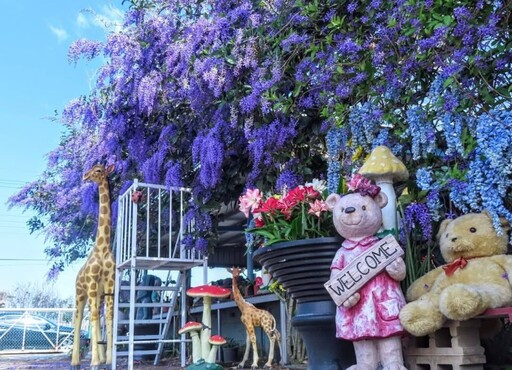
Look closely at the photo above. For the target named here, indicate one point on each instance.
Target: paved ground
(60, 362)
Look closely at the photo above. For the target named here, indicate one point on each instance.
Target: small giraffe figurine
(95, 280)
(252, 317)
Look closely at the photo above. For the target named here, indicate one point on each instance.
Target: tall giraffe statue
(95, 280)
(253, 317)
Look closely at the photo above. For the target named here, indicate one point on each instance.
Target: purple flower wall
(221, 95)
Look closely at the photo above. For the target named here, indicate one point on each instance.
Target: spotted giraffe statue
(253, 317)
(95, 280)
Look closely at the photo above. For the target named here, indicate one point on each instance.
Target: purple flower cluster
(417, 216)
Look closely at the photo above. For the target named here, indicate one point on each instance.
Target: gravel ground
(60, 362)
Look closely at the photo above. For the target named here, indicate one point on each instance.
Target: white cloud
(82, 21)
(109, 17)
(61, 33)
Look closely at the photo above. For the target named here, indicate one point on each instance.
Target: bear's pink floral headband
(360, 184)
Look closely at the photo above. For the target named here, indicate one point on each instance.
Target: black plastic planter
(302, 267)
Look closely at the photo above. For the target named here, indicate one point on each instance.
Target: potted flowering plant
(300, 213)
(296, 243)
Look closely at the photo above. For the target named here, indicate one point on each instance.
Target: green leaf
(447, 20)
(449, 81)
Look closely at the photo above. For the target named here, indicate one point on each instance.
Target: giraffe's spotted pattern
(96, 277)
(253, 317)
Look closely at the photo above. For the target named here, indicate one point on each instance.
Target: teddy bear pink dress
(376, 313)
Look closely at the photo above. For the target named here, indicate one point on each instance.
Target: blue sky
(35, 81)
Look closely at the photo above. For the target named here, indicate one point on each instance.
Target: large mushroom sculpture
(207, 292)
(385, 169)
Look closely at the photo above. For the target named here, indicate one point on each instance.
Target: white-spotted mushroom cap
(213, 291)
(217, 340)
(383, 164)
(190, 326)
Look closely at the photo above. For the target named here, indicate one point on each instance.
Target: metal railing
(151, 223)
(39, 329)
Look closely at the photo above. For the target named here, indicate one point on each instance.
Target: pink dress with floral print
(376, 313)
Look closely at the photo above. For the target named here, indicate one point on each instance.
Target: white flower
(318, 185)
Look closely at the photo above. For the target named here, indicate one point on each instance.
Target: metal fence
(39, 330)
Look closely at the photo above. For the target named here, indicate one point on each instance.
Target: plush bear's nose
(349, 209)
(454, 239)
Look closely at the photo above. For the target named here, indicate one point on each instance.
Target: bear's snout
(350, 209)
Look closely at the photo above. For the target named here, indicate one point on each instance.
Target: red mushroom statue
(207, 292)
(215, 341)
(193, 328)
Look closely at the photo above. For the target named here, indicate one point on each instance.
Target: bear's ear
(442, 228)
(381, 199)
(505, 225)
(487, 213)
(331, 201)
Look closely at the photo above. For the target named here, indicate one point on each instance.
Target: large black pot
(302, 267)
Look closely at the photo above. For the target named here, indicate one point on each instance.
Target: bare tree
(35, 295)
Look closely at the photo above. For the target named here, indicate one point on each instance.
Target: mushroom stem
(212, 356)
(207, 324)
(389, 216)
(196, 346)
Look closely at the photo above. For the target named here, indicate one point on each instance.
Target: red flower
(310, 193)
(258, 222)
(271, 205)
(295, 196)
(286, 208)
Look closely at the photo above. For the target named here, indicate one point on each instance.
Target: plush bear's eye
(364, 208)
(446, 235)
(473, 230)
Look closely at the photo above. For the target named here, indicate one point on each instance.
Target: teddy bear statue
(475, 278)
(369, 317)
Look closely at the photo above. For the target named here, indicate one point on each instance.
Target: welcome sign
(360, 270)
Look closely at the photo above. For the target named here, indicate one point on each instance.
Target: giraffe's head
(236, 271)
(98, 173)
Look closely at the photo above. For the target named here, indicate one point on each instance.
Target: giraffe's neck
(104, 218)
(239, 300)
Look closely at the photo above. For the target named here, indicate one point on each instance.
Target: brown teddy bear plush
(476, 277)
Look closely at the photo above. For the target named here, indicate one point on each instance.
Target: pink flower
(360, 184)
(137, 196)
(357, 181)
(258, 281)
(249, 201)
(317, 208)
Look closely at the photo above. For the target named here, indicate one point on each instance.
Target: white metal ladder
(150, 227)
